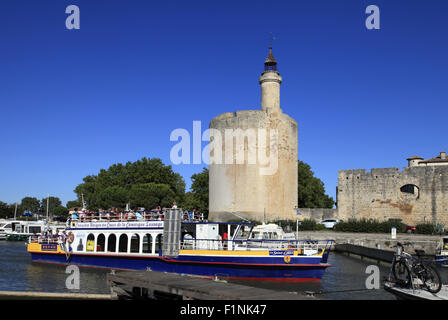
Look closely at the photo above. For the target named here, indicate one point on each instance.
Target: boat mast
(48, 201)
(15, 211)
(83, 203)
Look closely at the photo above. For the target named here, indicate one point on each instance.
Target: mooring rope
(312, 293)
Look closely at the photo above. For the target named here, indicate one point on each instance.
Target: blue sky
(76, 101)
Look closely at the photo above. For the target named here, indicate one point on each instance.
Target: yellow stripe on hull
(44, 248)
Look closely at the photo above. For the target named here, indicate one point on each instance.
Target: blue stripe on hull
(442, 260)
(231, 267)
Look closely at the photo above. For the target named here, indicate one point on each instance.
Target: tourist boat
(184, 246)
(442, 256)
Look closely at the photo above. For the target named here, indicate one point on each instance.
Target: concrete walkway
(382, 241)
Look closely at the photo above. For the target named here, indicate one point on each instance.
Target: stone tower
(253, 158)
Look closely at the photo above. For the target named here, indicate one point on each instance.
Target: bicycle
(410, 271)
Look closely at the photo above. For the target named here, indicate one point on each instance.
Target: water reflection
(345, 274)
(18, 273)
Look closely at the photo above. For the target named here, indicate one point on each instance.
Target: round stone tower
(253, 158)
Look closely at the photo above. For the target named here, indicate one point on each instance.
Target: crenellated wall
(414, 194)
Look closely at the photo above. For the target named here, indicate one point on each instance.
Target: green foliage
(144, 183)
(6, 210)
(60, 211)
(198, 197)
(310, 225)
(311, 191)
(305, 225)
(53, 203)
(150, 195)
(73, 204)
(111, 197)
(29, 204)
(426, 228)
(369, 226)
(190, 201)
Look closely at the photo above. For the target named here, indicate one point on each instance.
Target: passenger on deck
(75, 215)
(64, 237)
(82, 215)
(225, 239)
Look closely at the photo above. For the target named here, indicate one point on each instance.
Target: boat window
(147, 243)
(100, 243)
(255, 235)
(265, 235)
(123, 243)
(7, 226)
(90, 242)
(35, 229)
(135, 243)
(159, 242)
(112, 243)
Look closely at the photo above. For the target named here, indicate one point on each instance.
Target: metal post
(15, 211)
(48, 200)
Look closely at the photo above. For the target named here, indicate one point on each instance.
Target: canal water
(345, 280)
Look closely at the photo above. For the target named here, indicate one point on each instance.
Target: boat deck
(416, 294)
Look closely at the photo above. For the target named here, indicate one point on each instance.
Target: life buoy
(70, 237)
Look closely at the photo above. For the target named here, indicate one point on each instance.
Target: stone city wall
(415, 194)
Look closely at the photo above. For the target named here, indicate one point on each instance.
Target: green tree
(73, 204)
(151, 195)
(142, 183)
(311, 191)
(6, 210)
(61, 211)
(112, 197)
(53, 203)
(29, 204)
(190, 201)
(198, 197)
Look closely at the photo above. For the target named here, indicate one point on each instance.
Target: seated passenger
(75, 215)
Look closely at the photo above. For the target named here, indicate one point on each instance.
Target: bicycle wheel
(401, 273)
(431, 278)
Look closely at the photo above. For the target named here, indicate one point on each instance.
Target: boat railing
(134, 216)
(304, 246)
(44, 239)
